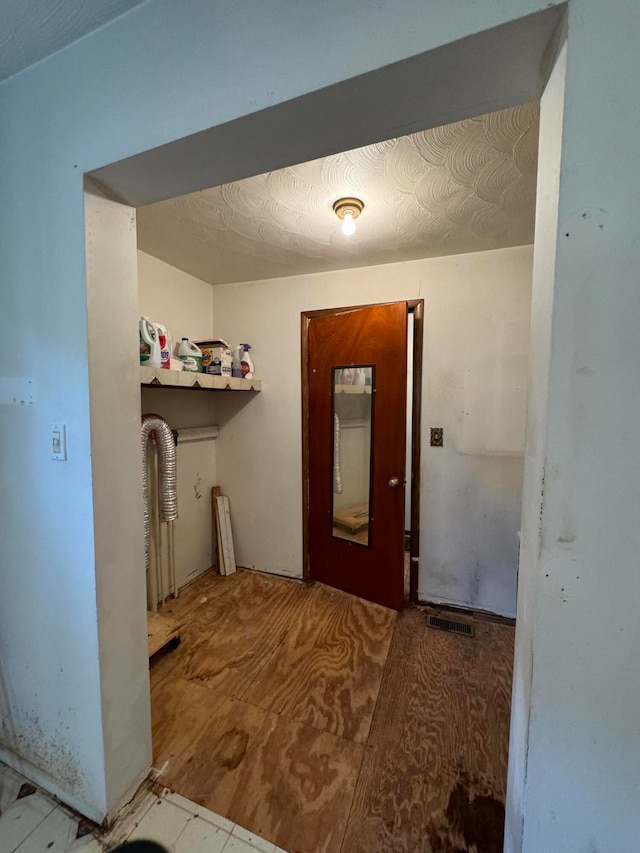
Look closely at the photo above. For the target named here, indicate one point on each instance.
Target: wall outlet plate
(437, 437)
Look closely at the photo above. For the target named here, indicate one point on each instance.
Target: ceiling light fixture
(348, 210)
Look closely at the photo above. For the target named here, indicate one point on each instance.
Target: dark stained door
(356, 409)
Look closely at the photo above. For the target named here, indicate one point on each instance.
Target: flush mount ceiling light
(348, 210)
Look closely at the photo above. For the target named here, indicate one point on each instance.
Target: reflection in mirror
(352, 426)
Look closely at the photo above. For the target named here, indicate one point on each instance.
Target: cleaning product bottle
(166, 343)
(150, 354)
(247, 364)
(236, 364)
(190, 355)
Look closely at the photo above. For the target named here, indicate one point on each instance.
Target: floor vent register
(453, 625)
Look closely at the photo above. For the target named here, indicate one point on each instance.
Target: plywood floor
(325, 723)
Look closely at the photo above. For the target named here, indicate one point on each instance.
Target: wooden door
(355, 423)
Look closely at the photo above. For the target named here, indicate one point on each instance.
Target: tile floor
(33, 822)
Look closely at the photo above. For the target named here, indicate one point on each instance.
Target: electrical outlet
(59, 442)
(437, 437)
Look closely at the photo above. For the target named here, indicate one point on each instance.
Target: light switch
(59, 442)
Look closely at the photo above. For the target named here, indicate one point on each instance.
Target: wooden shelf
(161, 631)
(154, 377)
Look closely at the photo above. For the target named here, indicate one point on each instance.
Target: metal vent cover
(453, 625)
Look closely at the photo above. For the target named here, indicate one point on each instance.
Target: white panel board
(226, 537)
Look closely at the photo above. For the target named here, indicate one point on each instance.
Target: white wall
(550, 146)
(409, 425)
(174, 298)
(160, 73)
(475, 369)
(580, 642)
(183, 304)
(355, 457)
(120, 579)
(167, 70)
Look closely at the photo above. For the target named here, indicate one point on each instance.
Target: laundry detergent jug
(190, 354)
(166, 346)
(150, 354)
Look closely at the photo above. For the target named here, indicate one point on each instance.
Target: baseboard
(465, 607)
(272, 573)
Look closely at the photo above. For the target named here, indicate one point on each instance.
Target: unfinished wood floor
(325, 723)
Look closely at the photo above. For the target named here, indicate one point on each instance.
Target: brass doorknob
(393, 482)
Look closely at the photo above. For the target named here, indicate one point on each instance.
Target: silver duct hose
(337, 464)
(167, 475)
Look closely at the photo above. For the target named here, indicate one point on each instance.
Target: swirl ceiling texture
(465, 187)
(33, 29)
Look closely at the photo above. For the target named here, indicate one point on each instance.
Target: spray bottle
(247, 364)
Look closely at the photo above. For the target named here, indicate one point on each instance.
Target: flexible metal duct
(167, 474)
(337, 464)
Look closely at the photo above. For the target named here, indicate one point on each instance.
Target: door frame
(415, 307)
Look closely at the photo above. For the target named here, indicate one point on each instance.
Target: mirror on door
(352, 459)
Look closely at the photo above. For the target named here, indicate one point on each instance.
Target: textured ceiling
(33, 29)
(464, 187)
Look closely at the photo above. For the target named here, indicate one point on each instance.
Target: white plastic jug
(190, 354)
(166, 345)
(150, 354)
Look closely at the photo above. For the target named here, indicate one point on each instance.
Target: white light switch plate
(59, 442)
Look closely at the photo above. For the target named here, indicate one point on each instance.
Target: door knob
(393, 482)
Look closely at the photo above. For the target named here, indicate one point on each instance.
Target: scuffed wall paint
(583, 766)
(552, 109)
(476, 313)
(68, 116)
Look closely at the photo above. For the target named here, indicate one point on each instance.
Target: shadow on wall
(185, 409)
(229, 404)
